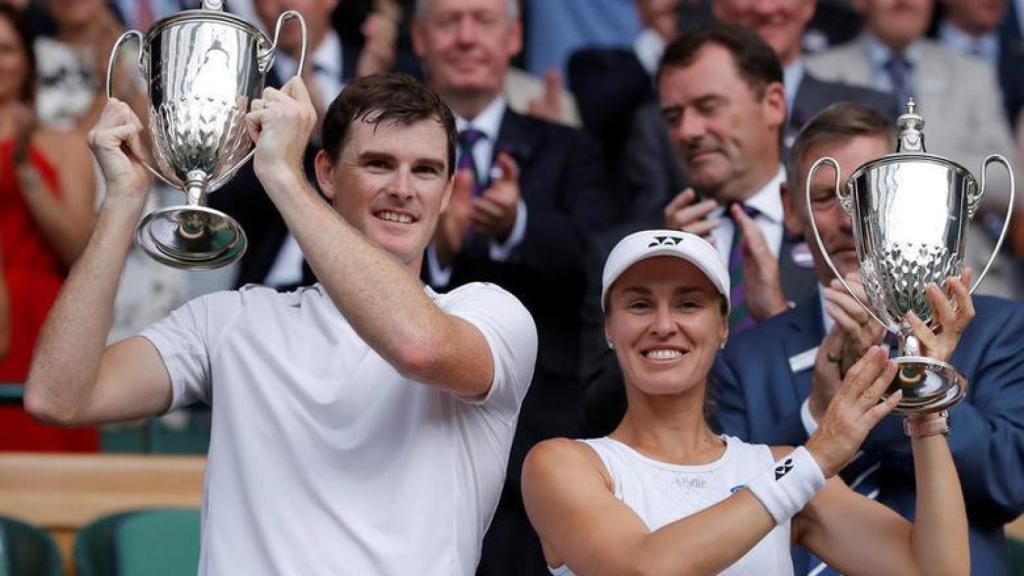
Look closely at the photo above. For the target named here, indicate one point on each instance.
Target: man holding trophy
(361, 425)
(775, 379)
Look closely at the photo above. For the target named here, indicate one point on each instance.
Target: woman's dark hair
(385, 98)
(23, 29)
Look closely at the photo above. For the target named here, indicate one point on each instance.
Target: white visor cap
(650, 243)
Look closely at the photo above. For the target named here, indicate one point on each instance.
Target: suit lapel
(932, 80)
(805, 334)
(516, 139)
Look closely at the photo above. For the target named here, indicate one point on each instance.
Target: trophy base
(928, 385)
(191, 237)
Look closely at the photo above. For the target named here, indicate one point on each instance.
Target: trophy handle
(111, 64)
(268, 58)
(972, 206)
(847, 203)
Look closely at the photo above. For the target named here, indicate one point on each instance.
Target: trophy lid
(910, 146)
(911, 138)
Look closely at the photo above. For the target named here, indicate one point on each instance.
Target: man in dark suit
(773, 381)
(722, 97)
(273, 257)
(649, 183)
(527, 197)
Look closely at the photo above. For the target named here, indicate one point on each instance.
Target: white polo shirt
(324, 459)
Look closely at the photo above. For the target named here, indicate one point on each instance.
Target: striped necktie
(739, 318)
(900, 71)
(467, 141)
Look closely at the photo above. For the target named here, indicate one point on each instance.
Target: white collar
(487, 121)
(958, 39)
(767, 200)
(649, 46)
(879, 53)
(792, 75)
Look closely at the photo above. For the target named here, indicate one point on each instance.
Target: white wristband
(789, 485)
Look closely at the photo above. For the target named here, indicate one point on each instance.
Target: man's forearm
(63, 371)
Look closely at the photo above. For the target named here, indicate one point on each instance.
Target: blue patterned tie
(901, 73)
(739, 318)
(467, 141)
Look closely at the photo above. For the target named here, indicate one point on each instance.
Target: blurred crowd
(564, 142)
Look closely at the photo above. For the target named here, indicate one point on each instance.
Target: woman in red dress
(47, 191)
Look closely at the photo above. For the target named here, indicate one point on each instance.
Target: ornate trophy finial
(911, 125)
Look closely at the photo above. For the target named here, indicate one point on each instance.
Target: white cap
(650, 243)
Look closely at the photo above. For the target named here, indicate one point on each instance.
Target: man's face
(721, 128)
(976, 16)
(833, 224)
(780, 23)
(390, 181)
(316, 13)
(466, 45)
(896, 23)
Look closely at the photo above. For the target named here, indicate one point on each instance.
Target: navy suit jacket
(759, 399)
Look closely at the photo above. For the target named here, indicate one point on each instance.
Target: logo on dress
(737, 488)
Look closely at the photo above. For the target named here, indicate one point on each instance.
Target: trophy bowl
(910, 211)
(203, 68)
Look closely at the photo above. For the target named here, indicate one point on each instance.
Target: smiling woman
(663, 494)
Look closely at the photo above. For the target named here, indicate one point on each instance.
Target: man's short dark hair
(385, 98)
(839, 122)
(755, 60)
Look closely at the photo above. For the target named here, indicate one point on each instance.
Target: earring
(721, 345)
(611, 345)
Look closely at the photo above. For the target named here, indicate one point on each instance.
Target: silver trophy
(203, 68)
(910, 211)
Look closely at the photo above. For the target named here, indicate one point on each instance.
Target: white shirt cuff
(810, 425)
(502, 252)
(440, 276)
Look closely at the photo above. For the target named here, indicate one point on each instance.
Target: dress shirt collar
(986, 46)
(879, 53)
(649, 46)
(488, 121)
(768, 200)
(792, 75)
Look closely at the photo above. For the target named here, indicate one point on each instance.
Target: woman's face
(665, 321)
(13, 62)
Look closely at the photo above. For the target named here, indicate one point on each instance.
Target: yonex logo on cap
(665, 241)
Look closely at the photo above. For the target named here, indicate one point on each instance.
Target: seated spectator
(959, 96)
(776, 381)
(975, 28)
(46, 213)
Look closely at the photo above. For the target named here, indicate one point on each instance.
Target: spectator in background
(46, 212)
(974, 28)
(614, 87)
(274, 257)
(720, 91)
(528, 196)
(775, 381)
(958, 96)
(782, 24)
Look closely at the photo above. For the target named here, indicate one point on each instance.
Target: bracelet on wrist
(926, 425)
